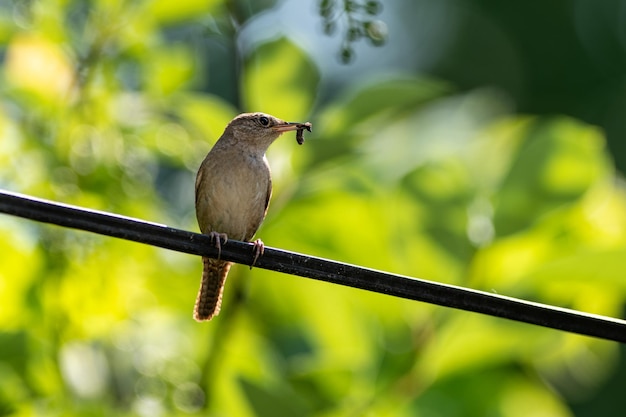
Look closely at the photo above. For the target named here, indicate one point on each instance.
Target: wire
(316, 268)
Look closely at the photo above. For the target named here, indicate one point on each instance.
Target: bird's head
(258, 129)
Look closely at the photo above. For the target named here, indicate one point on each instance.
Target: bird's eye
(264, 120)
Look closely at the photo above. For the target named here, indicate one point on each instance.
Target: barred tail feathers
(209, 298)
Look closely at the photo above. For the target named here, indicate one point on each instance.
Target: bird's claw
(215, 238)
(259, 248)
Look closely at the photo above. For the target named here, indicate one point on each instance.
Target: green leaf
(280, 79)
(169, 69)
(268, 402)
(166, 11)
(387, 96)
(14, 349)
(558, 162)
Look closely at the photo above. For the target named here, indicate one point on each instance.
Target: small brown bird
(233, 189)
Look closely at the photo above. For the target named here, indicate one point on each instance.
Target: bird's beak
(288, 126)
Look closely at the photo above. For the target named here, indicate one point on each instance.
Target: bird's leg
(215, 238)
(259, 248)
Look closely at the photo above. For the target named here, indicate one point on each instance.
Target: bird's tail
(209, 298)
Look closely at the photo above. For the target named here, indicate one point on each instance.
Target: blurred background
(472, 142)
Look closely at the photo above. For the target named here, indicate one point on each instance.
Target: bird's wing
(269, 195)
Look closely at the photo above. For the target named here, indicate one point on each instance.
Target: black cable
(316, 268)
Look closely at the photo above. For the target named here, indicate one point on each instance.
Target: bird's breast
(232, 190)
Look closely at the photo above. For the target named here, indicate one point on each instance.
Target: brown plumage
(233, 189)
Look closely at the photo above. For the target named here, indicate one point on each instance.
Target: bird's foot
(259, 248)
(216, 239)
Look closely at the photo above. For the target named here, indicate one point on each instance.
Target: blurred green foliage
(112, 105)
(360, 22)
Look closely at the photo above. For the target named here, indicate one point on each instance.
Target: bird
(232, 194)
